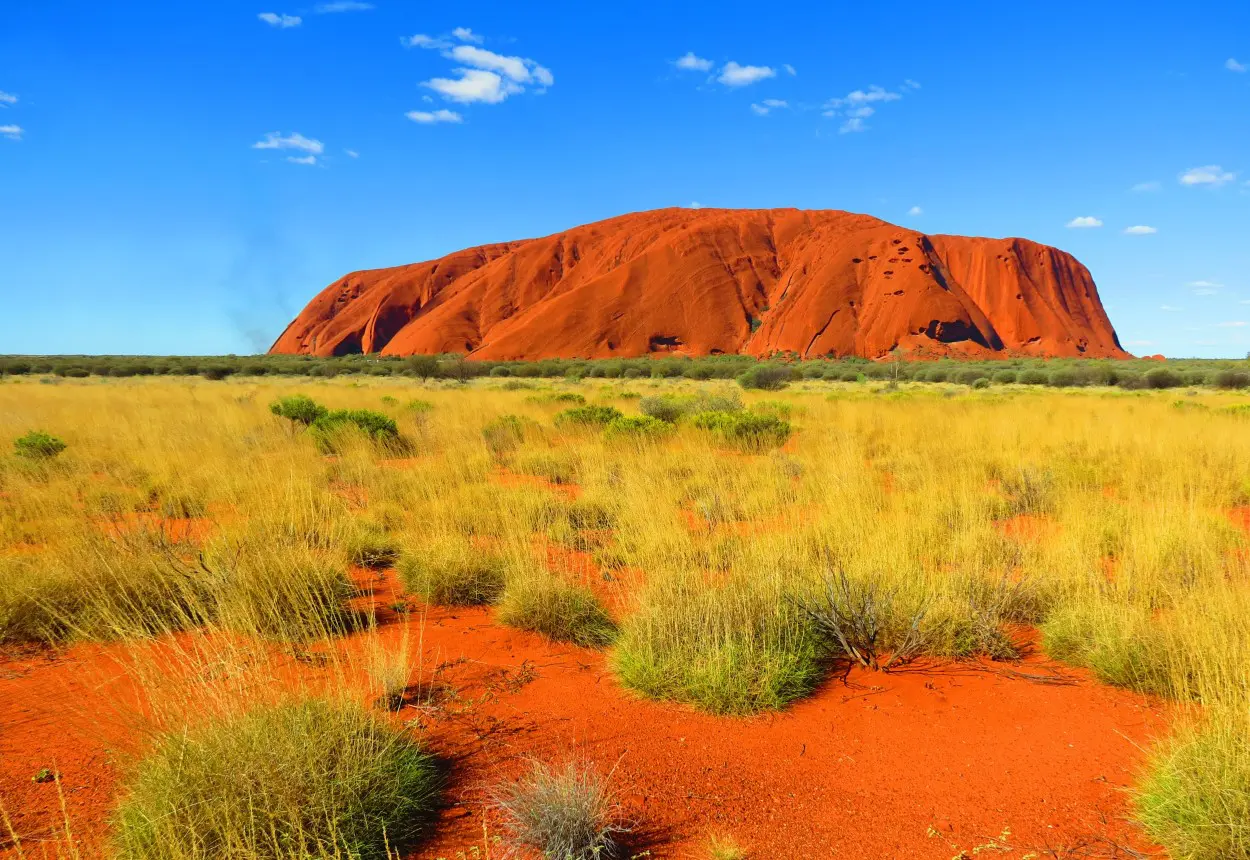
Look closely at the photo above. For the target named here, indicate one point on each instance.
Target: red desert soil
(922, 763)
(708, 281)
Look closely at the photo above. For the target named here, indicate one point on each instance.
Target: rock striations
(709, 281)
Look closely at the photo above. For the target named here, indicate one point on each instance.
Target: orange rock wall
(698, 281)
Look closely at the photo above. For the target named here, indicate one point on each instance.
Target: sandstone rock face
(708, 281)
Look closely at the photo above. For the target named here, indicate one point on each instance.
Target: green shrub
(746, 430)
(637, 428)
(766, 377)
(980, 383)
(1162, 377)
(38, 445)
(1232, 379)
(1033, 377)
(674, 407)
(565, 813)
(559, 610)
(451, 572)
(305, 779)
(330, 429)
(588, 416)
(299, 408)
(1005, 377)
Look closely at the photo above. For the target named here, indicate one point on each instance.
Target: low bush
(1162, 377)
(38, 445)
(674, 407)
(299, 408)
(1033, 377)
(1005, 377)
(452, 572)
(1232, 379)
(304, 779)
(562, 813)
(332, 429)
(746, 430)
(588, 416)
(766, 377)
(562, 611)
(637, 428)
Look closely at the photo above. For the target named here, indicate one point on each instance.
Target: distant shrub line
(750, 372)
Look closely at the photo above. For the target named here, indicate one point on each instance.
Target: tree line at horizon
(1054, 372)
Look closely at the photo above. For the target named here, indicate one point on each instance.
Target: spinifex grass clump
(564, 611)
(453, 571)
(562, 813)
(333, 428)
(735, 649)
(637, 429)
(304, 779)
(588, 416)
(298, 408)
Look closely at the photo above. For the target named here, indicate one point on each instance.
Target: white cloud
(1142, 187)
(1230, 324)
(914, 211)
(1233, 66)
(7, 99)
(695, 204)
(691, 63)
(1140, 230)
(1169, 308)
(769, 105)
(431, 117)
(351, 153)
(295, 140)
(12, 132)
(282, 22)
(474, 85)
(789, 69)
(857, 105)
(1084, 221)
(464, 34)
(341, 6)
(1211, 174)
(483, 76)
(302, 159)
(420, 40)
(734, 75)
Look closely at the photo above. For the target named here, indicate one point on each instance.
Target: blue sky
(183, 177)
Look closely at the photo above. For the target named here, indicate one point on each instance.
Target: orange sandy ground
(919, 763)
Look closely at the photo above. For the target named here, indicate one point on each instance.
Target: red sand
(695, 282)
(863, 769)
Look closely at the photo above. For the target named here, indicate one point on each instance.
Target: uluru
(719, 281)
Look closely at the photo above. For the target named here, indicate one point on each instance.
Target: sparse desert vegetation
(243, 555)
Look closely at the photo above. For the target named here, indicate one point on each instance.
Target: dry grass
(1100, 516)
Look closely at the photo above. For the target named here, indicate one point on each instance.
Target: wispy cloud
(432, 117)
(1145, 187)
(1230, 324)
(767, 106)
(12, 132)
(283, 22)
(483, 76)
(734, 75)
(294, 140)
(7, 99)
(789, 69)
(1140, 230)
(691, 63)
(915, 211)
(1233, 66)
(351, 153)
(302, 159)
(857, 105)
(341, 6)
(1084, 222)
(695, 204)
(1211, 174)
(1169, 308)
